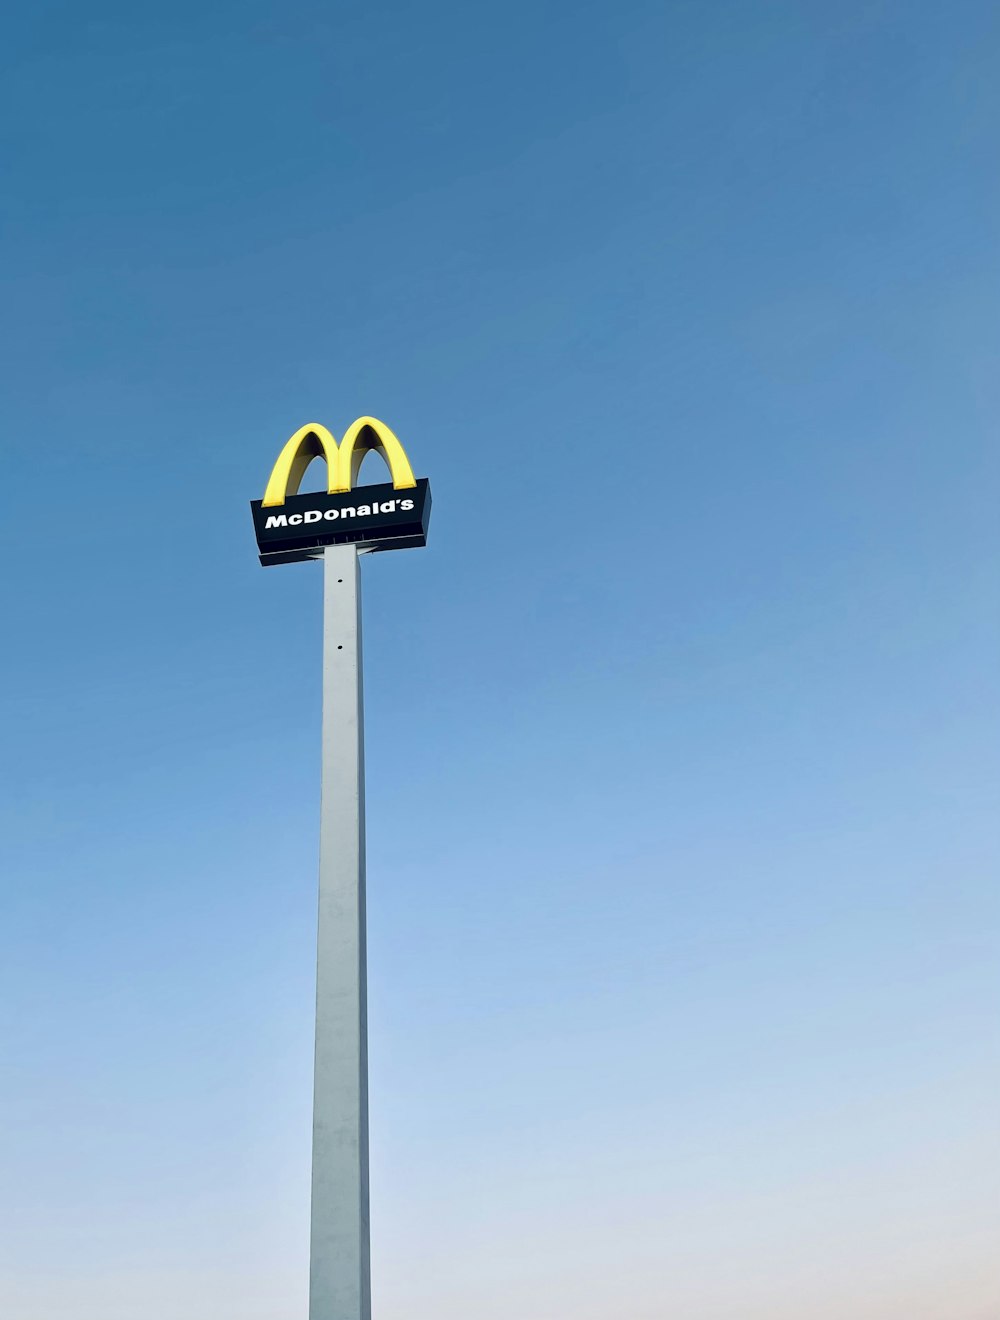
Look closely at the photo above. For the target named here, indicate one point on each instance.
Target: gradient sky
(682, 733)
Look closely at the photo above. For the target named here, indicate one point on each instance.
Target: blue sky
(682, 735)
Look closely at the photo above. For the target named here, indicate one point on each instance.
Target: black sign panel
(375, 517)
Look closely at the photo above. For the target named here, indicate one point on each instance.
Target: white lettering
(276, 520)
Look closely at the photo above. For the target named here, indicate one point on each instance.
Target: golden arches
(343, 461)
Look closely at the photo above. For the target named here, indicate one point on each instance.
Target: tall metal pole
(339, 1283)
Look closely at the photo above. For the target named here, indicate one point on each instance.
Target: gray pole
(339, 1283)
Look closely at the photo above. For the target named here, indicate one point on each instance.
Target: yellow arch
(343, 462)
(361, 436)
(309, 442)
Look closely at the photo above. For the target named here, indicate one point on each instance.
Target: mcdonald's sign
(291, 527)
